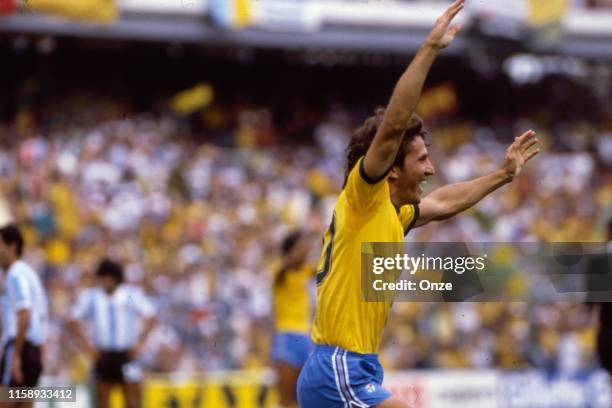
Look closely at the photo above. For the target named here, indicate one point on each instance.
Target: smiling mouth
(421, 185)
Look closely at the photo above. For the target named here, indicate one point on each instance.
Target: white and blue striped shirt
(115, 319)
(23, 290)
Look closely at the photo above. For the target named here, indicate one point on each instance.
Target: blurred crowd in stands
(197, 222)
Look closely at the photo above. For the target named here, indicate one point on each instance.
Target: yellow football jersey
(364, 213)
(292, 306)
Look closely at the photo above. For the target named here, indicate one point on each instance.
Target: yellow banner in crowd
(192, 99)
(546, 12)
(242, 13)
(229, 390)
(97, 11)
(231, 13)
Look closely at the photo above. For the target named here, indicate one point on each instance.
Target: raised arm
(406, 95)
(447, 201)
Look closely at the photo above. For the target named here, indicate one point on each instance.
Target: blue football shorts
(291, 348)
(334, 377)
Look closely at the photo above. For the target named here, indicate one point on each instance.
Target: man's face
(299, 252)
(108, 283)
(4, 254)
(416, 169)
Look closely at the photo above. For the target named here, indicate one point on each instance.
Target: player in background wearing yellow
(387, 160)
(292, 311)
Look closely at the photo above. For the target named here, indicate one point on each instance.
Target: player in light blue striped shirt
(120, 318)
(24, 315)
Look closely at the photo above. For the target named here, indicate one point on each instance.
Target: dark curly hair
(111, 269)
(290, 240)
(363, 136)
(10, 234)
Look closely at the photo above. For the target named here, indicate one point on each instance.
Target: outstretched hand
(518, 153)
(442, 33)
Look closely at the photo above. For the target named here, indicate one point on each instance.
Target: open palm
(442, 34)
(518, 153)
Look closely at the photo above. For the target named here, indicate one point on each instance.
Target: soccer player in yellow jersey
(292, 311)
(387, 160)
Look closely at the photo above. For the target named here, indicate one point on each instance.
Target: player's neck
(395, 200)
(10, 263)
(111, 291)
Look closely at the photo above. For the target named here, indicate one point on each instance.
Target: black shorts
(110, 366)
(31, 365)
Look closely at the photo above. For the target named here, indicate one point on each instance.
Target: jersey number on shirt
(328, 251)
